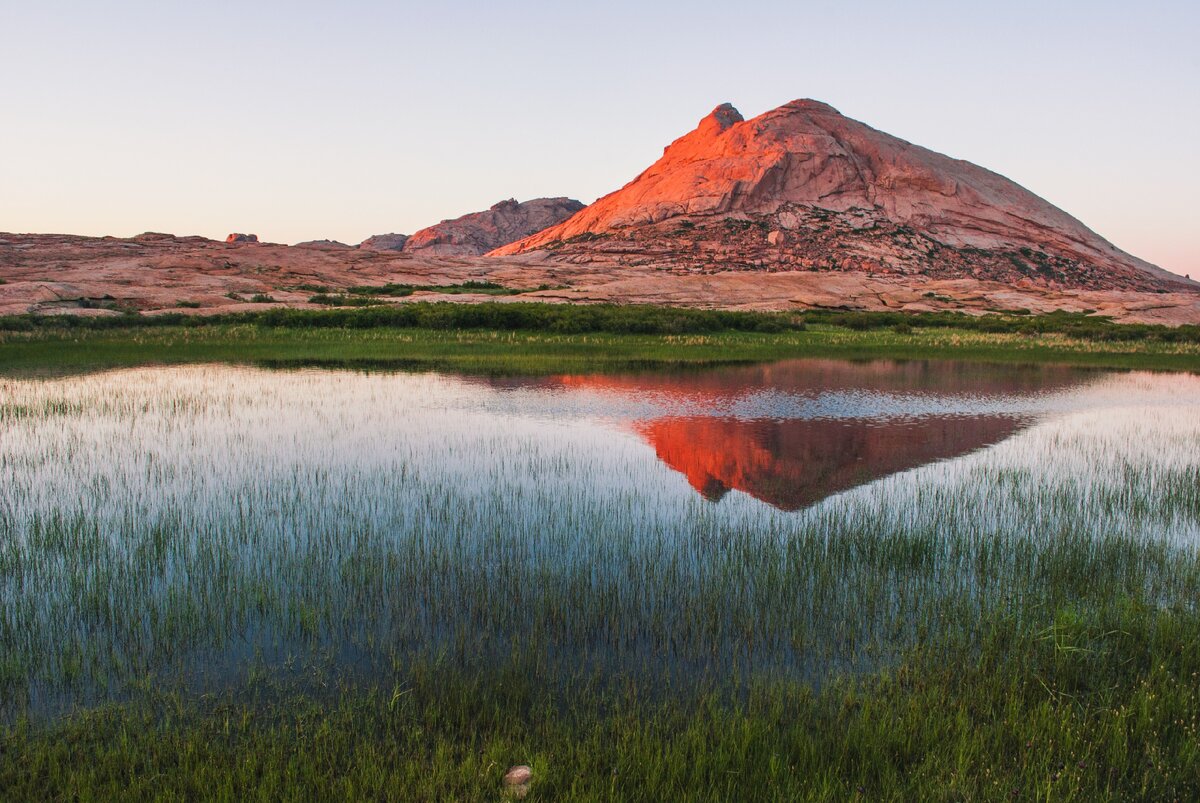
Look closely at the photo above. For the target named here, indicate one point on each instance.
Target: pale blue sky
(301, 120)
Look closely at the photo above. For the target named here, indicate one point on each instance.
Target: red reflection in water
(795, 463)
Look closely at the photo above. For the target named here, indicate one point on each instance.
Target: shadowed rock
(504, 223)
(384, 242)
(242, 238)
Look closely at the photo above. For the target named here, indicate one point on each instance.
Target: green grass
(1095, 707)
(402, 290)
(369, 295)
(409, 601)
(341, 300)
(538, 338)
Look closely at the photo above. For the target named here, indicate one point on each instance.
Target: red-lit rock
(804, 188)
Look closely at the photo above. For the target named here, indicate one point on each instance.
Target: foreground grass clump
(1098, 705)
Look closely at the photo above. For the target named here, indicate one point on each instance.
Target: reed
(219, 581)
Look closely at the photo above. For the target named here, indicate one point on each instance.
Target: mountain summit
(803, 187)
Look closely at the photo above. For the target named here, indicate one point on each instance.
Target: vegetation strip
(1002, 637)
(539, 338)
(1093, 708)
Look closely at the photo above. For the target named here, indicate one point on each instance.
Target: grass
(369, 295)
(401, 290)
(342, 300)
(1119, 722)
(218, 582)
(533, 338)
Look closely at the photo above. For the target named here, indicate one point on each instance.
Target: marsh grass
(1098, 706)
(410, 582)
(46, 349)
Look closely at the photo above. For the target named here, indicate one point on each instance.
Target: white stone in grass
(516, 780)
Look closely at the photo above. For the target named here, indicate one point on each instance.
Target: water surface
(795, 519)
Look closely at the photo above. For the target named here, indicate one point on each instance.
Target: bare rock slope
(384, 242)
(804, 188)
(480, 232)
(64, 274)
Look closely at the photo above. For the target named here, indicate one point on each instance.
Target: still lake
(196, 525)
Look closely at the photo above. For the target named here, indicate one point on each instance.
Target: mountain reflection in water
(793, 464)
(793, 433)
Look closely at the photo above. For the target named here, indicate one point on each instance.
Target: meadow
(525, 338)
(225, 582)
(218, 584)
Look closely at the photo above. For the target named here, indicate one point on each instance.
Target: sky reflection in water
(192, 520)
(791, 433)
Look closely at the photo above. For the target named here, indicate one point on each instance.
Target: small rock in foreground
(516, 780)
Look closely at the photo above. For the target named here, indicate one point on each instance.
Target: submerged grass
(1097, 705)
(225, 583)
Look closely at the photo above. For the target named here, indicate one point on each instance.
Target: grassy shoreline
(1025, 642)
(541, 338)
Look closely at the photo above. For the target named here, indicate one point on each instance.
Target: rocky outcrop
(331, 244)
(804, 188)
(384, 242)
(55, 273)
(242, 238)
(481, 232)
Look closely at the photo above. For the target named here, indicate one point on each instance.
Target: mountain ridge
(803, 169)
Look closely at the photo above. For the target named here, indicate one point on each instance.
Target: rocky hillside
(480, 232)
(804, 188)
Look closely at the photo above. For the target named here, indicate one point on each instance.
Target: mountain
(803, 187)
(384, 242)
(480, 232)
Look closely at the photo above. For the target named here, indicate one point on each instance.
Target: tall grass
(335, 536)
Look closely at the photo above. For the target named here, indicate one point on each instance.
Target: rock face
(480, 232)
(804, 188)
(333, 244)
(63, 274)
(242, 238)
(384, 242)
